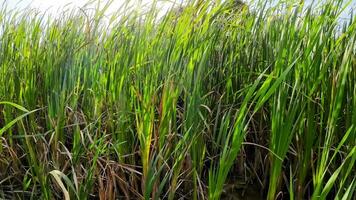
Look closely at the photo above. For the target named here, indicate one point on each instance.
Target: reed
(202, 102)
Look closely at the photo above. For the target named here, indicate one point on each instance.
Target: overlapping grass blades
(203, 101)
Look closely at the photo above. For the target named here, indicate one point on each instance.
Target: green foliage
(201, 102)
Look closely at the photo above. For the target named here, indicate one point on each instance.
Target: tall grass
(206, 101)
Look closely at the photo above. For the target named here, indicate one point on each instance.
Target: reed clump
(203, 104)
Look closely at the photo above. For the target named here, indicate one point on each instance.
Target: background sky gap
(54, 6)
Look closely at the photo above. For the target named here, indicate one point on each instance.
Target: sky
(54, 6)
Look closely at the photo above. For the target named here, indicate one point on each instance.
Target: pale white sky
(45, 4)
(54, 6)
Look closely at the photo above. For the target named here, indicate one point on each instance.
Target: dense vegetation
(210, 100)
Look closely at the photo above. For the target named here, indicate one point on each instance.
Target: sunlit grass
(203, 102)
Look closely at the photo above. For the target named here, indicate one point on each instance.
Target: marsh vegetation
(206, 103)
